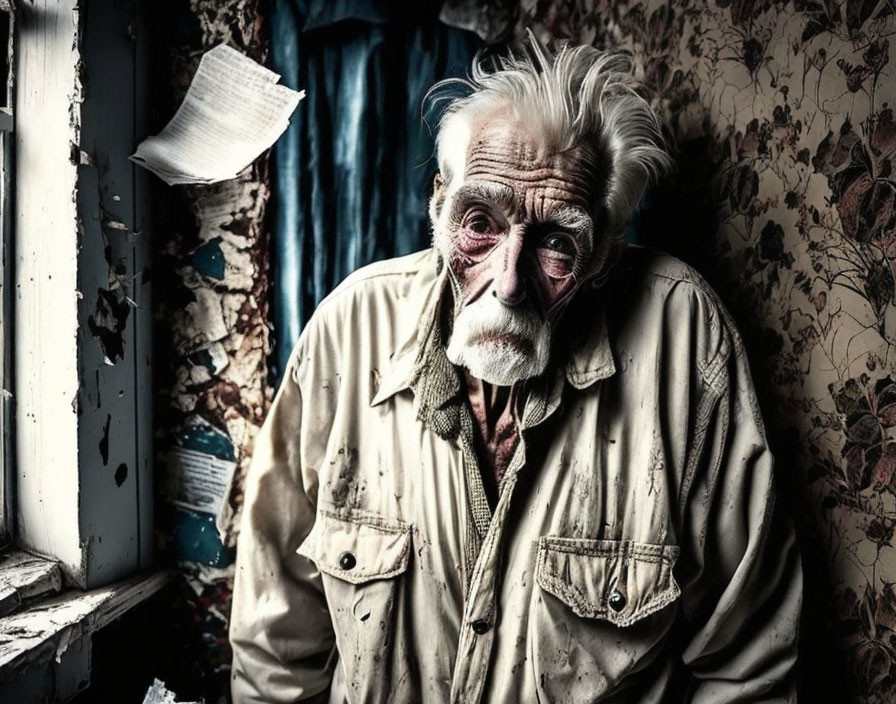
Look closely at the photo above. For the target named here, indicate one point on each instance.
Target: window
(75, 325)
(80, 330)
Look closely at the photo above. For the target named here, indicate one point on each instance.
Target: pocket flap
(357, 547)
(619, 581)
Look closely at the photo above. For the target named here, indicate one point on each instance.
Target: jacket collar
(590, 359)
(415, 326)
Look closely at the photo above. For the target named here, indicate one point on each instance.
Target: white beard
(497, 344)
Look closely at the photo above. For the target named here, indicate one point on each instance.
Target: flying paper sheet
(233, 110)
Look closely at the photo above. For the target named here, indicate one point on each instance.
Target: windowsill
(45, 629)
(24, 576)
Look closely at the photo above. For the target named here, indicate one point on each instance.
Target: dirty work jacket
(634, 555)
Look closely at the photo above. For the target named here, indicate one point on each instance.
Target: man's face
(519, 233)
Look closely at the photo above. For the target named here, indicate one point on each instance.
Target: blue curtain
(352, 174)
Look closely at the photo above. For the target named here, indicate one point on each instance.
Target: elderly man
(526, 465)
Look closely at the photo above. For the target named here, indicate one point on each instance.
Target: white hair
(572, 96)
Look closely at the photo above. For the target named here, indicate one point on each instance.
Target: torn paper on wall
(201, 480)
(233, 110)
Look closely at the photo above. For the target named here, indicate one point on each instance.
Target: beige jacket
(635, 553)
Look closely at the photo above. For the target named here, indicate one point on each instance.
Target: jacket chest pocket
(598, 613)
(361, 558)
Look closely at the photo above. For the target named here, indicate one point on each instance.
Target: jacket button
(617, 600)
(480, 626)
(347, 561)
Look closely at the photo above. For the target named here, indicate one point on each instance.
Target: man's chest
(581, 540)
(596, 468)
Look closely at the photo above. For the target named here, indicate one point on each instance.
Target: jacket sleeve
(280, 629)
(742, 591)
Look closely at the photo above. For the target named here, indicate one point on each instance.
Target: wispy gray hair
(570, 96)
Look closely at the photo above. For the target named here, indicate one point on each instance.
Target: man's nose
(510, 287)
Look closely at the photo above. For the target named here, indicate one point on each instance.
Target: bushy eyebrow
(493, 194)
(569, 218)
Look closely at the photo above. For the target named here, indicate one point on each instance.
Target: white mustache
(486, 317)
(520, 341)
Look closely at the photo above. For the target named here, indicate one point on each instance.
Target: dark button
(347, 561)
(617, 600)
(480, 626)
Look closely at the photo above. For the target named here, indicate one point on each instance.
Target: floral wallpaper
(781, 116)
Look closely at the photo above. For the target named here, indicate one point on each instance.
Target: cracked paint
(104, 441)
(107, 324)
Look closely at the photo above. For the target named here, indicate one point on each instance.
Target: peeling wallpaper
(213, 302)
(221, 336)
(211, 290)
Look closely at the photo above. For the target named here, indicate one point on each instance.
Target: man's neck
(493, 409)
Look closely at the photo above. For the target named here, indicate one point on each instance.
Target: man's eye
(561, 244)
(480, 223)
(479, 233)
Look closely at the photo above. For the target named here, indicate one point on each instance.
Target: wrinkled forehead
(503, 152)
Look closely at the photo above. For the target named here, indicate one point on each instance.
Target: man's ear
(438, 198)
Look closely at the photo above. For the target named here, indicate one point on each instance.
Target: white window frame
(82, 319)
(79, 487)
